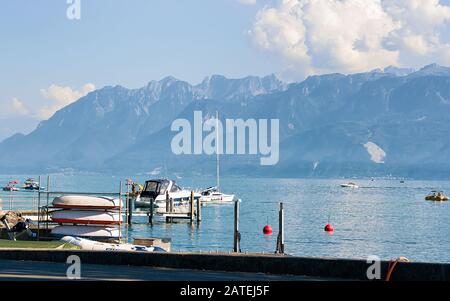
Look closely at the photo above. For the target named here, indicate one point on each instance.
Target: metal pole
(120, 210)
(280, 239)
(237, 235)
(48, 200)
(167, 206)
(39, 209)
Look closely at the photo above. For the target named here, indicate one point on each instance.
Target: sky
(48, 59)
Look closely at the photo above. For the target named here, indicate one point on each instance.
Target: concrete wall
(271, 264)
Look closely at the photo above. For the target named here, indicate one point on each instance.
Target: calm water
(384, 217)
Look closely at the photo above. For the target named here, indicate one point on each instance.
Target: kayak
(86, 202)
(86, 231)
(86, 244)
(86, 217)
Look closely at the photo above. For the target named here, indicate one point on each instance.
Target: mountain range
(390, 122)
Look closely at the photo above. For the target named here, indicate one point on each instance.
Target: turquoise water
(383, 217)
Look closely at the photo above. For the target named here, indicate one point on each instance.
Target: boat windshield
(151, 186)
(156, 187)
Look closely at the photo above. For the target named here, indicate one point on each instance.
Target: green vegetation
(35, 245)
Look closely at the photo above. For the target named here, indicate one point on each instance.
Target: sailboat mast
(217, 151)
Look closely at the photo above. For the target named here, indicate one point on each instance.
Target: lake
(383, 217)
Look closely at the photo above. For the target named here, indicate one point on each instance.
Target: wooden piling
(150, 214)
(130, 210)
(199, 210)
(237, 235)
(192, 207)
(168, 219)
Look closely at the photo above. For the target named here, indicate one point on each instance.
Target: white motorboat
(86, 244)
(86, 231)
(86, 217)
(31, 184)
(86, 202)
(349, 185)
(211, 195)
(156, 190)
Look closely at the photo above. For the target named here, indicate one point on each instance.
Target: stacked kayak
(86, 216)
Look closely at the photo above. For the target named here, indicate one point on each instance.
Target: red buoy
(329, 228)
(267, 230)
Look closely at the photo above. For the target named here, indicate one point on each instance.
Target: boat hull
(86, 202)
(86, 231)
(86, 217)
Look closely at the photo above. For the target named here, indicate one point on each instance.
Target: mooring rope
(393, 264)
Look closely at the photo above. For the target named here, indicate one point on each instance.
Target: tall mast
(217, 151)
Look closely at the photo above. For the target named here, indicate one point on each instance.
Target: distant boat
(349, 185)
(86, 202)
(86, 217)
(437, 196)
(86, 231)
(11, 186)
(31, 184)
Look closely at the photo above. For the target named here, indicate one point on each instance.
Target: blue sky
(46, 60)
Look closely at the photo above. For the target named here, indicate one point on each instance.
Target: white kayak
(91, 245)
(86, 202)
(86, 217)
(86, 231)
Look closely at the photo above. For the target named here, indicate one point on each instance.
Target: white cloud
(315, 36)
(61, 97)
(13, 108)
(247, 2)
(377, 154)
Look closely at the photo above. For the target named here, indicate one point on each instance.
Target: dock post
(280, 238)
(199, 210)
(237, 235)
(130, 209)
(150, 215)
(167, 206)
(192, 207)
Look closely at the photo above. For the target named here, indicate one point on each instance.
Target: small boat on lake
(31, 184)
(86, 202)
(11, 186)
(437, 196)
(156, 190)
(349, 185)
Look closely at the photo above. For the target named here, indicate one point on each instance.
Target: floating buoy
(267, 230)
(329, 228)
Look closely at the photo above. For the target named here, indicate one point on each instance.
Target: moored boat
(211, 195)
(86, 217)
(156, 190)
(86, 231)
(86, 202)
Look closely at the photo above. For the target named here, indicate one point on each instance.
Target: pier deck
(32, 270)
